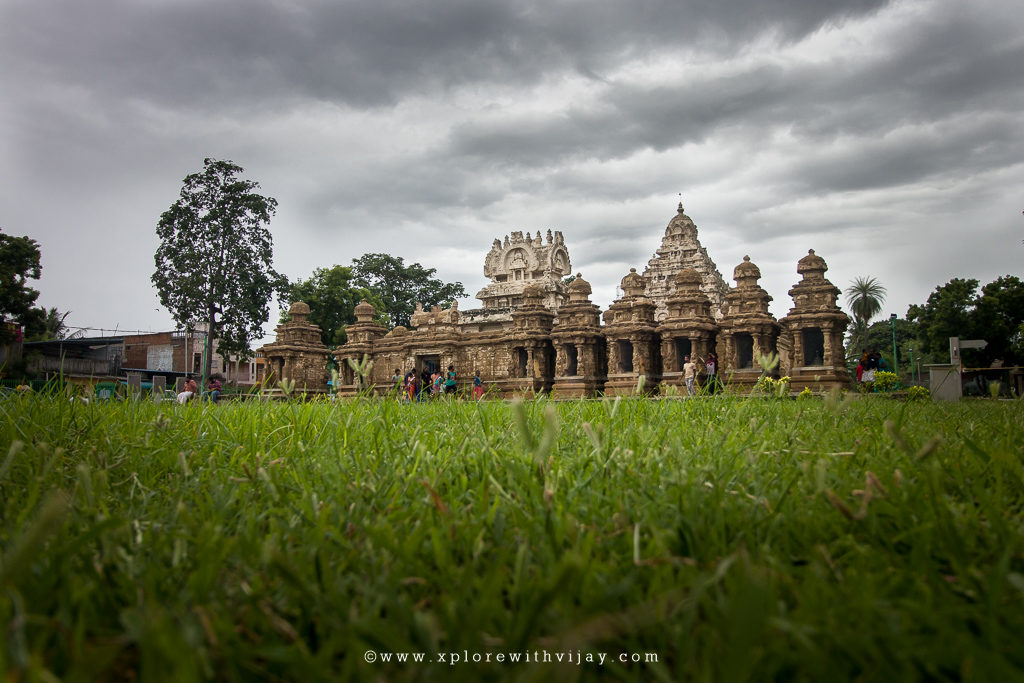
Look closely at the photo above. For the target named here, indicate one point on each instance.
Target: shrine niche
(579, 343)
(297, 354)
(531, 353)
(361, 337)
(688, 330)
(517, 263)
(631, 339)
(811, 344)
(747, 329)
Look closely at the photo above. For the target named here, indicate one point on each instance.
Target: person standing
(868, 376)
(449, 382)
(478, 386)
(711, 370)
(425, 384)
(690, 375)
(410, 386)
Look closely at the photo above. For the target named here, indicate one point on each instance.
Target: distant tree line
(386, 282)
(959, 308)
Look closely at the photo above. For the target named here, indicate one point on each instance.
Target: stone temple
(514, 265)
(534, 334)
(680, 249)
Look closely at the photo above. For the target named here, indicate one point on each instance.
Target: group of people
(427, 385)
(871, 361)
(190, 391)
(691, 370)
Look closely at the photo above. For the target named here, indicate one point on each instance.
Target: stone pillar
(134, 384)
(159, 382)
(639, 355)
(583, 359)
(561, 360)
(668, 356)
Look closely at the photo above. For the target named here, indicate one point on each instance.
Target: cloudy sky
(888, 136)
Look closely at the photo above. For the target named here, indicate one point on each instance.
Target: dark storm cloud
(421, 127)
(942, 68)
(370, 53)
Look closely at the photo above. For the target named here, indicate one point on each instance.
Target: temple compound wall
(536, 335)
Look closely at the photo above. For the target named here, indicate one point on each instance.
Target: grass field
(735, 539)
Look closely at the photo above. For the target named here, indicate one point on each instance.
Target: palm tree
(865, 297)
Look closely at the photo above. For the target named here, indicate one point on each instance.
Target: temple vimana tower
(535, 334)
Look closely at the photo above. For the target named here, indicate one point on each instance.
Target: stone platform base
(576, 387)
(522, 387)
(626, 385)
(818, 379)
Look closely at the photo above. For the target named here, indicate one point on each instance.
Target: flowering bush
(886, 381)
(918, 393)
(772, 387)
(805, 394)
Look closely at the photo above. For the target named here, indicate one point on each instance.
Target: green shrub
(886, 381)
(767, 386)
(918, 393)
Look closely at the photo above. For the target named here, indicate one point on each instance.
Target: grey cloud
(266, 54)
(944, 67)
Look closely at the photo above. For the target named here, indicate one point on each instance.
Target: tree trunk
(208, 346)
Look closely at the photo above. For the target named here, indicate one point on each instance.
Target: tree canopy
(42, 324)
(400, 286)
(957, 309)
(19, 262)
(879, 336)
(332, 296)
(865, 297)
(213, 265)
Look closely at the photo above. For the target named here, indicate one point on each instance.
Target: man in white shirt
(690, 375)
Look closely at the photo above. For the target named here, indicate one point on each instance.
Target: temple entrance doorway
(683, 349)
(625, 356)
(744, 350)
(814, 346)
(431, 364)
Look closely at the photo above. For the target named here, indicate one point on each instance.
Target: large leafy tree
(949, 312)
(19, 262)
(400, 286)
(213, 265)
(865, 297)
(332, 296)
(958, 309)
(999, 319)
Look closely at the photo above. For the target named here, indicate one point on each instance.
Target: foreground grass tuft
(735, 539)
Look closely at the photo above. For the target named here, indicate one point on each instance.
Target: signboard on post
(956, 345)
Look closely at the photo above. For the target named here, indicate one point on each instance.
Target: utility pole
(895, 360)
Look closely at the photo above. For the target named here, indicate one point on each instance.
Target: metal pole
(912, 378)
(202, 371)
(895, 360)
